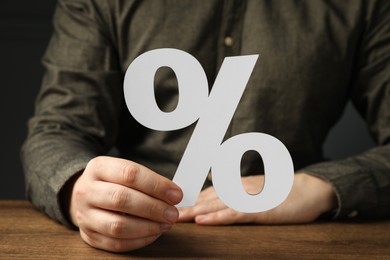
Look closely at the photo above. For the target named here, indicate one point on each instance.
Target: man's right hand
(120, 205)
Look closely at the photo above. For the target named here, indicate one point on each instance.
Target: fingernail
(174, 196)
(200, 219)
(171, 214)
(165, 227)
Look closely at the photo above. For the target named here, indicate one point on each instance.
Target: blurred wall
(25, 27)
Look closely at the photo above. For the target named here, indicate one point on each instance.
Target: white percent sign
(214, 111)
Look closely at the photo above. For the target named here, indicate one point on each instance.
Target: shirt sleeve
(77, 109)
(362, 182)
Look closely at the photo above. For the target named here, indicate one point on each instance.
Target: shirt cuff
(354, 187)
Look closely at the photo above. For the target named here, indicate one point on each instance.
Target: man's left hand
(308, 199)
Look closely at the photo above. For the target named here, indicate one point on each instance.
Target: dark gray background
(25, 27)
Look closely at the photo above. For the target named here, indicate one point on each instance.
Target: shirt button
(228, 41)
(353, 214)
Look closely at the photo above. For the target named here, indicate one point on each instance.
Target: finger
(189, 213)
(207, 195)
(135, 176)
(115, 197)
(224, 217)
(116, 225)
(100, 241)
(186, 214)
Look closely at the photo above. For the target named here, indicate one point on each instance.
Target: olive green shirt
(314, 56)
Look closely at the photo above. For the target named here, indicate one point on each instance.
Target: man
(314, 56)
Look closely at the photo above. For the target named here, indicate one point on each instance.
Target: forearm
(361, 183)
(49, 162)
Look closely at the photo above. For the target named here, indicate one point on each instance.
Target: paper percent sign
(214, 111)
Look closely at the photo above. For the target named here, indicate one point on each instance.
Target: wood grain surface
(26, 233)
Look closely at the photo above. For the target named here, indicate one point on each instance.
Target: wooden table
(27, 233)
